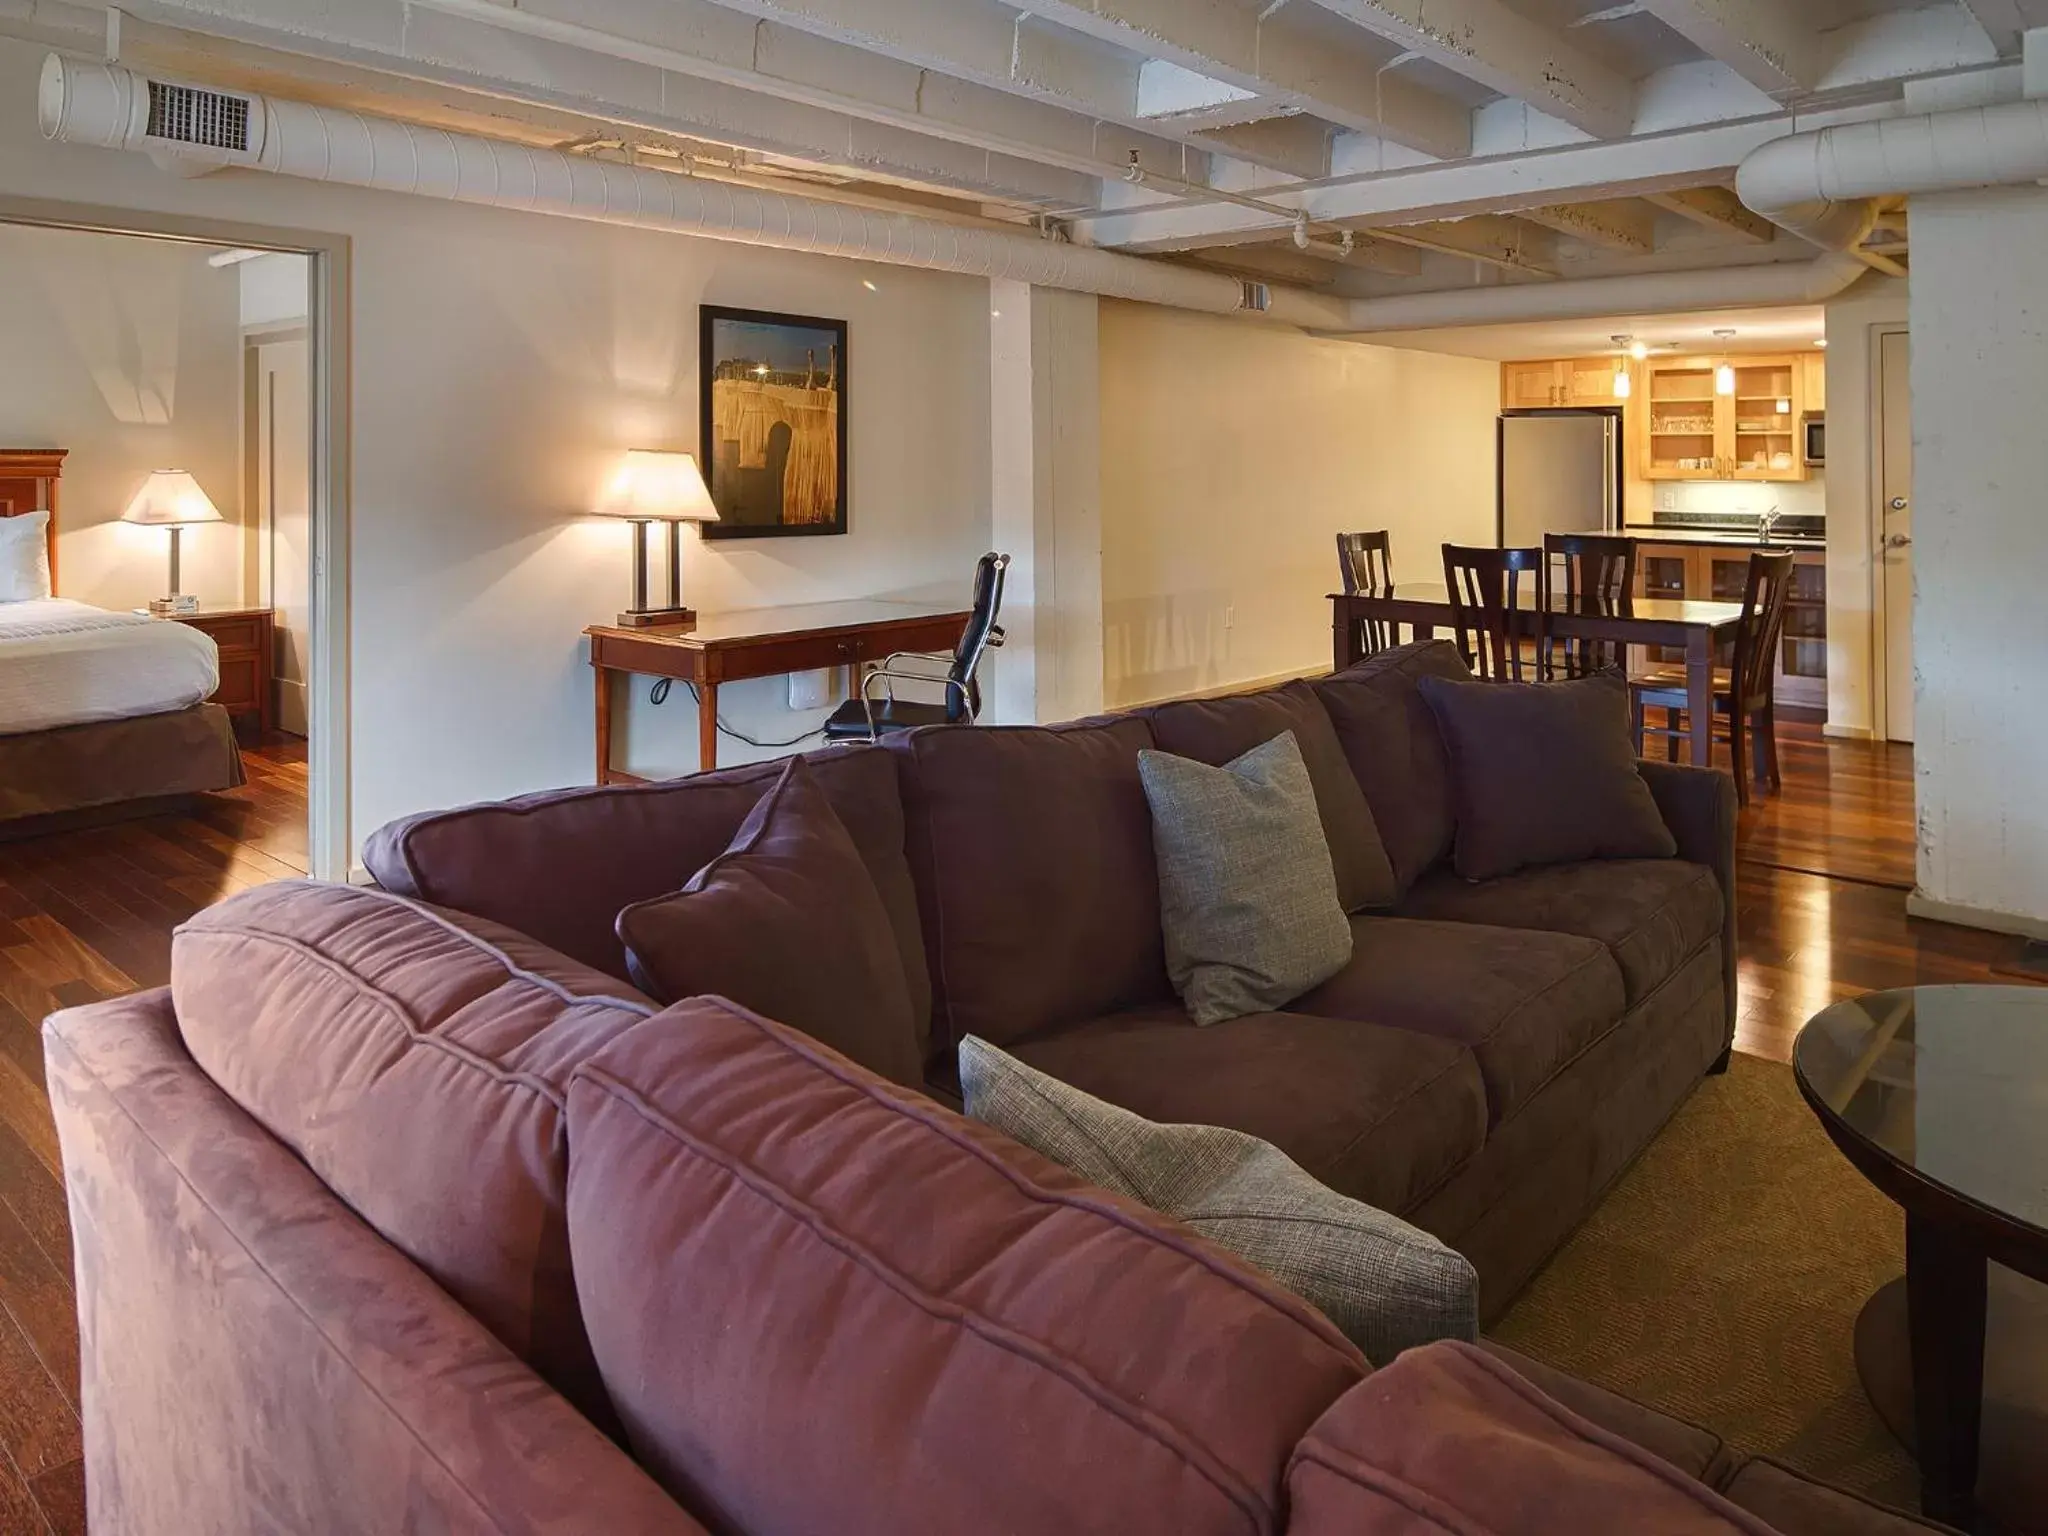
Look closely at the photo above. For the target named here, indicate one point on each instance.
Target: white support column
(1979, 373)
(1045, 455)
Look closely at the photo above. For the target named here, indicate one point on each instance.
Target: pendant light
(1624, 386)
(1724, 376)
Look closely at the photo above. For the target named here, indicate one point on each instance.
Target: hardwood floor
(1821, 897)
(83, 916)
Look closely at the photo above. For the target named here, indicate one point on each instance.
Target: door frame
(1880, 664)
(330, 843)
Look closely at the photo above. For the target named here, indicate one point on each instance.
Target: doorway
(265, 440)
(1895, 532)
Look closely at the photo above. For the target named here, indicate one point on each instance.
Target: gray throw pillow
(1387, 1285)
(1247, 894)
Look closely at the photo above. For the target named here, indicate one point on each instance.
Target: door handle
(1898, 540)
(1898, 503)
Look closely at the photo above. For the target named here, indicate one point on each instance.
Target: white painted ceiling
(1421, 141)
(1756, 330)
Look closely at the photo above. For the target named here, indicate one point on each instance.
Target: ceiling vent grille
(185, 114)
(1256, 297)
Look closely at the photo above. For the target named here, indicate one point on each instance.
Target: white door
(1895, 551)
(284, 477)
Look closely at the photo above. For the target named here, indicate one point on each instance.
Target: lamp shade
(170, 498)
(659, 486)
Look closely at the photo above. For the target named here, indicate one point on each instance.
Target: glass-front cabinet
(1724, 418)
(1722, 575)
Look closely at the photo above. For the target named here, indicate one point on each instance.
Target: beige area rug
(1720, 1281)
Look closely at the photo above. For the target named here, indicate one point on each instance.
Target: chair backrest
(1763, 625)
(1485, 588)
(982, 632)
(1366, 563)
(1585, 573)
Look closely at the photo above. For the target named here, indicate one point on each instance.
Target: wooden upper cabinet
(1816, 369)
(1590, 381)
(1769, 396)
(1695, 432)
(1531, 386)
(1683, 427)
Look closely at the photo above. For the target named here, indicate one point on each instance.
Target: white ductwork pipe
(110, 107)
(1804, 282)
(1821, 185)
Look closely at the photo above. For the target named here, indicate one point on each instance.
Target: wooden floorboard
(1821, 915)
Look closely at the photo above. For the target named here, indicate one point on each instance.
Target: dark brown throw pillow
(1544, 773)
(786, 922)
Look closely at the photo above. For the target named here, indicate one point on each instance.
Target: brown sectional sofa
(327, 1204)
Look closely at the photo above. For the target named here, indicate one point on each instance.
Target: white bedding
(67, 663)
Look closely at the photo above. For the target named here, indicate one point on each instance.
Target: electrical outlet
(1667, 498)
(810, 690)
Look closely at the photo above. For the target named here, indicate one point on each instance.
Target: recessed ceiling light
(1822, 342)
(868, 284)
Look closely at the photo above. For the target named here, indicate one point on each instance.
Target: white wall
(1854, 322)
(501, 362)
(126, 352)
(1232, 456)
(1979, 315)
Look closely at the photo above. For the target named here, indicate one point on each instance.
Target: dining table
(1699, 627)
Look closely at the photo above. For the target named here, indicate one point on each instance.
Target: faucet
(1767, 524)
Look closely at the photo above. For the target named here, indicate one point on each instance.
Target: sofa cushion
(417, 1061)
(1694, 1451)
(1544, 774)
(788, 922)
(1447, 1438)
(1033, 852)
(1382, 1115)
(1652, 914)
(1247, 901)
(561, 866)
(1388, 1285)
(1214, 731)
(823, 1303)
(1391, 741)
(1795, 1505)
(1525, 1002)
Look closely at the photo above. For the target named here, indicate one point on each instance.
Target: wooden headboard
(28, 483)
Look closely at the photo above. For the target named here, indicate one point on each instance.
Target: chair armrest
(1698, 805)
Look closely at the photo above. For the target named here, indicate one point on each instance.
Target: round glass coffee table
(1939, 1096)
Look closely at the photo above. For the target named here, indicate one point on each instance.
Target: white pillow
(24, 557)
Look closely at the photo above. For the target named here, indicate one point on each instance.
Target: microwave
(1815, 435)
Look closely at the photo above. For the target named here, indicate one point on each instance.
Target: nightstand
(246, 641)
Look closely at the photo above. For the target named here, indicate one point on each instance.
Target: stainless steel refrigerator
(1560, 472)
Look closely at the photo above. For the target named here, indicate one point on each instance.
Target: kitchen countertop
(1664, 533)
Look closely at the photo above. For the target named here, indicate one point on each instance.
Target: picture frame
(772, 404)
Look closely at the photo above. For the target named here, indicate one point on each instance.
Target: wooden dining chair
(1744, 704)
(1485, 588)
(1584, 573)
(1366, 563)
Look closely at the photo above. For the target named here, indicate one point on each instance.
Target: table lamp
(653, 487)
(171, 498)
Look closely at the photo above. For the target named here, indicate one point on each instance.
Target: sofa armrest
(256, 1359)
(1698, 805)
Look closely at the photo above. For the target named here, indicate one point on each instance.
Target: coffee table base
(2012, 1487)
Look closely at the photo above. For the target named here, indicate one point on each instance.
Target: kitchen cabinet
(1721, 574)
(1583, 382)
(1696, 432)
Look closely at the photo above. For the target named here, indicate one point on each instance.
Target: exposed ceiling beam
(1281, 61)
(1770, 44)
(1718, 209)
(1584, 173)
(1625, 226)
(1300, 145)
(2004, 21)
(961, 42)
(1506, 52)
(1492, 239)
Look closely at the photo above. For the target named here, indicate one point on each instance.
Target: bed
(102, 714)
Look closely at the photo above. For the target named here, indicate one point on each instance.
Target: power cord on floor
(659, 692)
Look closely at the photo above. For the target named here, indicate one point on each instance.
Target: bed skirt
(115, 763)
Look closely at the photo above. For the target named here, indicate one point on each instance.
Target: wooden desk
(759, 642)
(1696, 626)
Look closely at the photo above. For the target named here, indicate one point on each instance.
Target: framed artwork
(772, 394)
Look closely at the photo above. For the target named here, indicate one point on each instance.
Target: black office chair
(869, 719)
